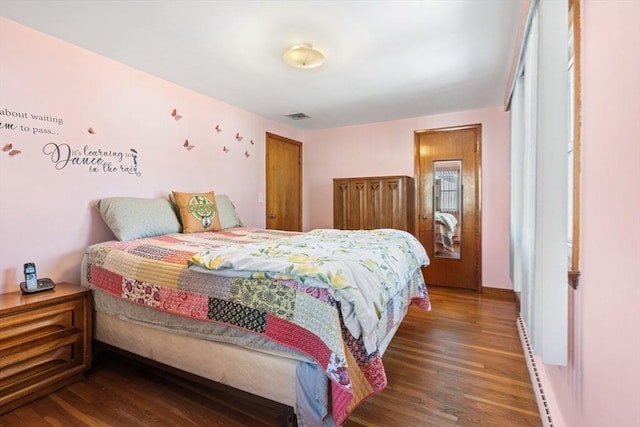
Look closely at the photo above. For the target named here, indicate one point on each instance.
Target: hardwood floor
(459, 365)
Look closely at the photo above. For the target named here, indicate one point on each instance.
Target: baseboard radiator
(538, 390)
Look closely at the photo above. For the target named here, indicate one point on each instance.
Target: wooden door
(457, 266)
(284, 183)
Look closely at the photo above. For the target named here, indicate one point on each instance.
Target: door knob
(423, 217)
(272, 216)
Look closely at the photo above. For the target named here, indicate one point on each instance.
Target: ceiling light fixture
(303, 55)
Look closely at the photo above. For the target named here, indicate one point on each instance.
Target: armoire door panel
(392, 215)
(357, 214)
(374, 204)
(341, 204)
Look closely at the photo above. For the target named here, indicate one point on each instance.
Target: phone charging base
(44, 284)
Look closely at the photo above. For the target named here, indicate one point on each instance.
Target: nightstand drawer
(56, 349)
(22, 328)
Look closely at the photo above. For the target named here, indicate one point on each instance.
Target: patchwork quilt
(301, 311)
(361, 269)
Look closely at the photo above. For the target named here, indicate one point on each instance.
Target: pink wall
(600, 386)
(45, 213)
(387, 149)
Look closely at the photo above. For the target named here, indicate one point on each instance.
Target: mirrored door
(448, 190)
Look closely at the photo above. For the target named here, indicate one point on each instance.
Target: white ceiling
(385, 60)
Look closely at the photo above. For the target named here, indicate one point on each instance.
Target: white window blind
(538, 229)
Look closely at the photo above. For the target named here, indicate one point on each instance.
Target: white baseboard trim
(536, 379)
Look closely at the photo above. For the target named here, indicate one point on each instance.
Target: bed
(301, 319)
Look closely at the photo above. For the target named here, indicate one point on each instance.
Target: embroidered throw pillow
(198, 211)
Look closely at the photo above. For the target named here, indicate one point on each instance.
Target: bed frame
(205, 363)
(284, 414)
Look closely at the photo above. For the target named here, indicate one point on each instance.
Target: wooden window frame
(575, 8)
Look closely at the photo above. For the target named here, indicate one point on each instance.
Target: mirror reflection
(447, 203)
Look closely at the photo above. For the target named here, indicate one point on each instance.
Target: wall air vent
(297, 116)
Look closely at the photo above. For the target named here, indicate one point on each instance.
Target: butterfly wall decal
(218, 128)
(238, 137)
(225, 149)
(175, 115)
(8, 148)
(246, 154)
(91, 131)
(188, 146)
(252, 142)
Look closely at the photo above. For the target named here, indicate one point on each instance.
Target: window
(540, 121)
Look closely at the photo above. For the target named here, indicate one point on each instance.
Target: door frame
(478, 192)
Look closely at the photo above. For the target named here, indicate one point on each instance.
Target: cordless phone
(32, 283)
(30, 276)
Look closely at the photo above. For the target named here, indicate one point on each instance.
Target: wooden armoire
(374, 202)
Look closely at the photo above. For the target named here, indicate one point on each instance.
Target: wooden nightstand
(45, 342)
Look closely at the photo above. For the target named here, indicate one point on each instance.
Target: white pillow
(134, 218)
